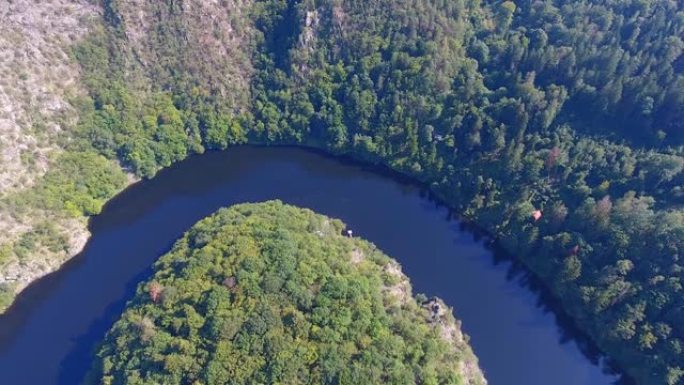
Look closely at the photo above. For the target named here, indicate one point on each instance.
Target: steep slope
(621, 61)
(38, 78)
(39, 83)
(512, 149)
(186, 44)
(62, 148)
(164, 76)
(553, 125)
(269, 293)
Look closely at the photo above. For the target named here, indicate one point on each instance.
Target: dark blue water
(49, 335)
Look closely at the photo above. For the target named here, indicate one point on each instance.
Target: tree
(505, 16)
(155, 291)
(572, 268)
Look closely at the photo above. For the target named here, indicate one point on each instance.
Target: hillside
(56, 167)
(269, 293)
(556, 126)
(40, 82)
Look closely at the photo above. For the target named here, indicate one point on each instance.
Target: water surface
(49, 335)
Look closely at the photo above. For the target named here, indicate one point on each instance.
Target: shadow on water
(380, 203)
(35, 294)
(71, 368)
(546, 302)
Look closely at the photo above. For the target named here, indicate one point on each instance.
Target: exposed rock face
(20, 272)
(209, 39)
(37, 79)
(438, 314)
(441, 317)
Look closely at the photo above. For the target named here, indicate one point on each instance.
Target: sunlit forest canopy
(556, 126)
(273, 294)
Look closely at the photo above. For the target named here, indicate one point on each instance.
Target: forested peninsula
(273, 294)
(554, 125)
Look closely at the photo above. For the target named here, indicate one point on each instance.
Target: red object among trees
(552, 158)
(574, 250)
(230, 282)
(155, 290)
(537, 214)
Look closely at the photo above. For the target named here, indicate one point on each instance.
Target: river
(49, 335)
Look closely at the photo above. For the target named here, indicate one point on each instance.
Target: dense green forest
(570, 110)
(273, 294)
